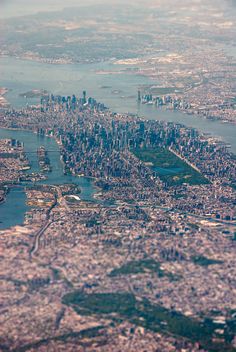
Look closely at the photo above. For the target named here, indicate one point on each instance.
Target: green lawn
(124, 306)
(203, 261)
(142, 266)
(169, 167)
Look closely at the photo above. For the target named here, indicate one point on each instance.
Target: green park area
(169, 167)
(143, 266)
(122, 306)
(203, 261)
(87, 334)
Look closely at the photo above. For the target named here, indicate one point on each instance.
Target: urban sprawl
(147, 265)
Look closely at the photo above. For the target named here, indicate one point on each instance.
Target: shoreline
(196, 115)
(110, 73)
(4, 104)
(217, 138)
(2, 202)
(52, 61)
(20, 185)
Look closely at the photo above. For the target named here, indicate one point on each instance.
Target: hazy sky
(12, 8)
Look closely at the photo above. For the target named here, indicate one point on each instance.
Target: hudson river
(105, 82)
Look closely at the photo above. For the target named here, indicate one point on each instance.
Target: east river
(108, 84)
(13, 210)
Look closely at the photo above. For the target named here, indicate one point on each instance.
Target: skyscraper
(139, 95)
(84, 97)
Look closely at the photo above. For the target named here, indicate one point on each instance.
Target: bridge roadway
(35, 152)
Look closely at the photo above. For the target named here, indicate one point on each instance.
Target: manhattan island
(150, 261)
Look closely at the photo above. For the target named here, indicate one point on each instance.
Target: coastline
(3, 101)
(196, 115)
(30, 139)
(127, 84)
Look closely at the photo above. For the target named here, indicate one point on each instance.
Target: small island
(34, 93)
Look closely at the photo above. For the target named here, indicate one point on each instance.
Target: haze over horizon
(117, 175)
(17, 8)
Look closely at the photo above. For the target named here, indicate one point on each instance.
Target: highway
(58, 200)
(41, 231)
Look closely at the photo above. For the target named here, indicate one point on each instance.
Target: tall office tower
(84, 97)
(139, 95)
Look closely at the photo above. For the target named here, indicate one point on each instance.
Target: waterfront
(13, 210)
(106, 82)
(117, 224)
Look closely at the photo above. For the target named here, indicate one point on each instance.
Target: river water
(13, 210)
(106, 82)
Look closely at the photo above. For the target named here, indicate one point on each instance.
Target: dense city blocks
(117, 176)
(151, 249)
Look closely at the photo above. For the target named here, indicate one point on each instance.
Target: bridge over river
(13, 210)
